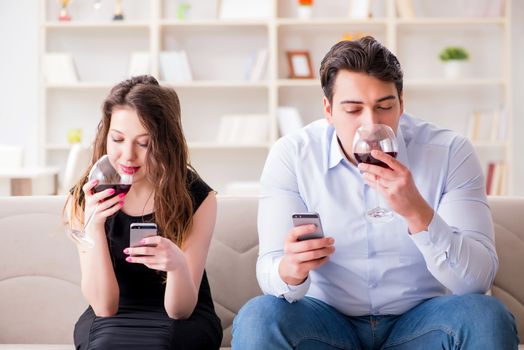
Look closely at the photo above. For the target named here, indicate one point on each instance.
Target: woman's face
(127, 142)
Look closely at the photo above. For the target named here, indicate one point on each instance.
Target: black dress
(141, 321)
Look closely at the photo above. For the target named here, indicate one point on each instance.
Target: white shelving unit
(218, 51)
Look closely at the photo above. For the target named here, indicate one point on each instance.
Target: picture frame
(299, 64)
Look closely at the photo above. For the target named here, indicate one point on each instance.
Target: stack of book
(496, 178)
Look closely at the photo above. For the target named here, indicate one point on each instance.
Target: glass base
(379, 215)
(82, 238)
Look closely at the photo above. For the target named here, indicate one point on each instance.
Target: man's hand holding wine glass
(396, 185)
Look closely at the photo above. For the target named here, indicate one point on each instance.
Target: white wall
(517, 18)
(19, 76)
(19, 80)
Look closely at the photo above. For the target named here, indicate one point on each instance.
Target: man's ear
(328, 112)
(401, 101)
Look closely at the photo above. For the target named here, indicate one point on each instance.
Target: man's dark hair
(365, 55)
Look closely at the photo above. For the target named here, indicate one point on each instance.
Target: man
(417, 282)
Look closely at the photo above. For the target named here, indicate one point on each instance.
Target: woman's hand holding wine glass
(104, 193)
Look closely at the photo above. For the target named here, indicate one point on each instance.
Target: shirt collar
(335, 155)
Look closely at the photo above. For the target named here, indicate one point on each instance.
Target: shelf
(439, 83)
(489, 145)
(218, 84)
(298, 83)
(81, 86)
(193, 146)
(321, 22)
(213, 23)
(95, 25)
(450, 21)
(408, 83)
(204, 146)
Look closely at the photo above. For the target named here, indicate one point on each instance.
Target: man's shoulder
(420, 132)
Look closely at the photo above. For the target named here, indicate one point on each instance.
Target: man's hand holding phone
(302, 256)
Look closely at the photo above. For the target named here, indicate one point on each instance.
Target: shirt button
(372, 254)
(373, 285)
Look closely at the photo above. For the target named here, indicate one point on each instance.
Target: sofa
(40, 296)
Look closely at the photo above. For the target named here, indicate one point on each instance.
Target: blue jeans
(472, 321)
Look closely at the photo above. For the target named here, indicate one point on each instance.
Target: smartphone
(300, 219)
(139, 231)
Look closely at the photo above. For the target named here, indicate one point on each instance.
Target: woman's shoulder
(198, 188)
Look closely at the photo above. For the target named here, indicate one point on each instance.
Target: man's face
(359, 99)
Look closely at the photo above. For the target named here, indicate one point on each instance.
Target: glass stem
(377, 191)
(90, 218)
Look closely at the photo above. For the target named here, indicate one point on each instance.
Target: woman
(155, 296)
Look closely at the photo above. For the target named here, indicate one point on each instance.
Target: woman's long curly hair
(167, 162)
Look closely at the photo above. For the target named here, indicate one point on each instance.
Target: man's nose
(370, 117)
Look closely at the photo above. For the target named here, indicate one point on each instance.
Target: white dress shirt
(378, 269)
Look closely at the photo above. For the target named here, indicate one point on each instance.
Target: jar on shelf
(305, 9)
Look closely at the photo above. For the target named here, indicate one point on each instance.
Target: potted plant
(454, 59)
(305, 9)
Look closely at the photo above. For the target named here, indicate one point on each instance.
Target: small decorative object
(454, 59)
(300, 66)
(360, 9)
(183, 8)
(305, 9)
(119, 14)
(352, 36)
(74, 136)
(64, 15)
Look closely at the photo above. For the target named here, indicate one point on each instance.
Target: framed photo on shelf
(300, 66)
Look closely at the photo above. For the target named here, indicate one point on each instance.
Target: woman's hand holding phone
(157, 253)
(302, 256)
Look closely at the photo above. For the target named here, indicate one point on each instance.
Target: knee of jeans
(257, 312)
(484, 309)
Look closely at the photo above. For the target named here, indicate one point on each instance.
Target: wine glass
(108, 177)
(375, 137)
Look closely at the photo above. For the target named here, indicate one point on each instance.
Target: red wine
(119, 188)
(367, 158)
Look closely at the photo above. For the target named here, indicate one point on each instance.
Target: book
(496, 178)
(289, 120)
(484, 126)
(489, 178)
(258, 69)
(174, 66)
(405, 8)
(243, 129)
(59, 68)
(139, 63)
(244, 9)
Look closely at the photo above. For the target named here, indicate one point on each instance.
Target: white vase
(305, 11)
(454, 69)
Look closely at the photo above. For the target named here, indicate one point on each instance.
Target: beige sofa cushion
(40, 296)
(508, 218)
(231, 262)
